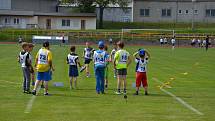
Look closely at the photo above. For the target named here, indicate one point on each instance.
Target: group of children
(43, 66)
(120, 58)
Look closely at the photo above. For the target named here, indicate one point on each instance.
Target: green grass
(197, 89)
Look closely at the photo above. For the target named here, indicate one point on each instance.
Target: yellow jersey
(121, 58)
(43, 59)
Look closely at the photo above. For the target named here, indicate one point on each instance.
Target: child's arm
(129, 61)
(147, 54)
(135, 54)
(18, 59)
(78, 62)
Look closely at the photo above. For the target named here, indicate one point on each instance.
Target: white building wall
(23, 21)
(75, 22)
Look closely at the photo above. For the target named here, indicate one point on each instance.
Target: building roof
(176, 0)
(32, 13)
(15, 13)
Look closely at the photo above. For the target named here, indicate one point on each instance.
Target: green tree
(102, 4)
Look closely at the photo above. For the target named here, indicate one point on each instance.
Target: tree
(102, 4)
(88, 6)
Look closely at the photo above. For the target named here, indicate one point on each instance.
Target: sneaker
(103, 92)
(98, 93)
(24, 91)
(136, 93)
(34, 92)
(46, 94)
(118, 93)
(146, 93)
(42, 86)
(114, 76)
(106, 86)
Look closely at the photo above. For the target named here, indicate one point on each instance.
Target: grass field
(196, 89)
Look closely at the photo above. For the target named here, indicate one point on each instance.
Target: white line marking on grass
(30, 102)
(9, 82)
(161, 82)
(179, 99)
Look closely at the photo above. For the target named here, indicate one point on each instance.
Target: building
(174, 11)
(43, 14)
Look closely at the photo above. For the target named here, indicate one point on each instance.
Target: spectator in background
(20, 40)
(193, 42)
(199, 42)
(161, 41)
(173, 43)
(165, 40)
(207, 42)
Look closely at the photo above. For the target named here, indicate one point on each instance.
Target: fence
(80, 36)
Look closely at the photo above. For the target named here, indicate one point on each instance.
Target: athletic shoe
(98, 93)
(118, 93)
(146, 93)
(24, 91)
(34, 92)
(136, 93)
(106, 86)
(114, 76)
(46, 94)
(103, 92)
(42, 86)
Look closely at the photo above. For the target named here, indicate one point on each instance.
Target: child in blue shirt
(99, 59)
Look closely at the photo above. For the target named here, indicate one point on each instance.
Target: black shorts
(87, 61)
(122, 71)
(73, 71)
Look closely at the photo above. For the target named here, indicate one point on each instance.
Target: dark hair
(46, 44)
(101, 47)
(72, 48)
(24, 44)
(30, 45)
(121, 44)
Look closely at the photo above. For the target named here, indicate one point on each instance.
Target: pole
(193, 14)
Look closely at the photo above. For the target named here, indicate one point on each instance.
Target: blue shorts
(87, 61)
(44, 76)
(73, 71)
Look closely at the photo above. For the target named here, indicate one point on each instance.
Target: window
(166, 13)
(144, 12)
(7, 21)
(16, 21)
(65, 22)
(187, 11)
(210, 12)
(195, 11)
(179, 11)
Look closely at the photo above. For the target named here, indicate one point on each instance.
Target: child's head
(142, 53)
(87, 44)
(25, 46)
(114, 45)
(120, 44)
(101, 45)
(106, 48)
(31, 46)
(72, 48)
(46, 44)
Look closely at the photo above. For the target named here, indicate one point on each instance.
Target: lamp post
(193, 14)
